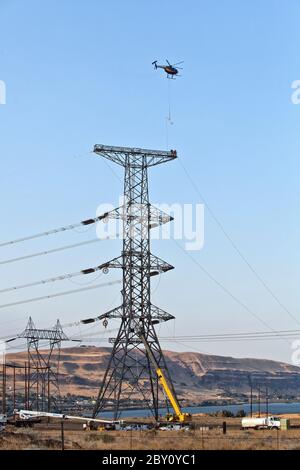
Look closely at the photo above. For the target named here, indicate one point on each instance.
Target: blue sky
(79, 73)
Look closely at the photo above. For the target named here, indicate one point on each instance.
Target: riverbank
(273, 408)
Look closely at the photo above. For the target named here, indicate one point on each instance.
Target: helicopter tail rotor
(155, 64)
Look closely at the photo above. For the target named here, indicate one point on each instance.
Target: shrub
(240, 414)
(226, 414)
(107, 438)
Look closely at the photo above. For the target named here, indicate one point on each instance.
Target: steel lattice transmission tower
(43, 365)
(130, 373)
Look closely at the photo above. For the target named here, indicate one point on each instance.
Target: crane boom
(26, 414)
(178, 414)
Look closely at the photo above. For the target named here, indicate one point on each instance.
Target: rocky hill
(197, 377)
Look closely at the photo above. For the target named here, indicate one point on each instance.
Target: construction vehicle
(88, 423)
(178, 416)
(24, 422)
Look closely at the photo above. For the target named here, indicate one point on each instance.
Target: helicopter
(170, 69)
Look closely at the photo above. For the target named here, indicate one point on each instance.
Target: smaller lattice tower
(43, 348)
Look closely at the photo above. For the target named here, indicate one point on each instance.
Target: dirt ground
(48, 436)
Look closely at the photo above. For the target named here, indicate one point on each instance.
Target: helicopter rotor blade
(177, 63)
(168, 63)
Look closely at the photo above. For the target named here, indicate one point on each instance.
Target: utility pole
(251, 395)
(267, 402)
(259, 402)
(25, 387)
(28, 385)
(14, 387)
(37, 388)
(130, 374)
(3, 388)
(62, 433)
(48, 391)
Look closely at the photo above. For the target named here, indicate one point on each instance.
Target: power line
(227, 291)
(236, 248)
(240, 254)
(53, 279)
(282, 337)
(84, 321)
(232, 336)
(59, 294)
(54, 250)
(249, 336)
(81, 337)
(208, 339)
(55, 230)
(254, 335)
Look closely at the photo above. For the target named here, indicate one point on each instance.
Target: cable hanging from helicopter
(171, 71)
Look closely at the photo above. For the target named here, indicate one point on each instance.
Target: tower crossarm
(157, 315)
(114, 263)
(138, 157)
(38, 334)
(156, 265)
(52, 334)
(157, 217)
(114, 313)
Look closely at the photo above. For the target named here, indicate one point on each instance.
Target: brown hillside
(196, 376)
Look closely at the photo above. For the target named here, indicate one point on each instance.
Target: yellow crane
(178, 415)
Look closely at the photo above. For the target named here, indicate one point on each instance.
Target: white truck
(3, 422)
(271, 422)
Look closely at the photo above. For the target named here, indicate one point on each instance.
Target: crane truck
(91, 423)
(178, 416)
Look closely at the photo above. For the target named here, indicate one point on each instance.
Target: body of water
(274, 408)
